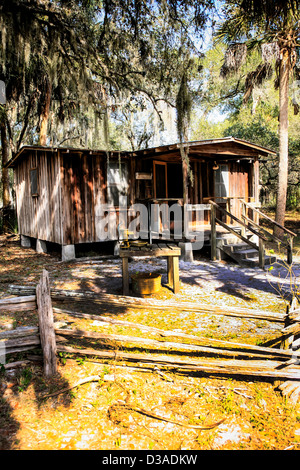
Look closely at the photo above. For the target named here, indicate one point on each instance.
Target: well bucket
(146, 283)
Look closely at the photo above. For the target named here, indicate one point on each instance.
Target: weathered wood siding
(84, 192)
(239, 185)
(39, 216)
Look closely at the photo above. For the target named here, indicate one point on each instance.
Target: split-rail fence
(171, 350)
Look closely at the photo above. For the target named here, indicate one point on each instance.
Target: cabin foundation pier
(41, 246)
(25, 241)
(186, 252)
(117, 248)
(68, 252)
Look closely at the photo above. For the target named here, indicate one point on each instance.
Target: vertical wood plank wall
(39, 216)
(84, 191)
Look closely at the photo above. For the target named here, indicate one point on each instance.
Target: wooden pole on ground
(46, 325)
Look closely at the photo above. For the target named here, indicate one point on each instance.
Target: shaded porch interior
(225, 173)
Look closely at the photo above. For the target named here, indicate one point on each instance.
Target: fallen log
(225, 367)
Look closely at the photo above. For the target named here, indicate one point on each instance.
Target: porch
(230, 227)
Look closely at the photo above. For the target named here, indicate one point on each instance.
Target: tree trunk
(5, 175)
(284, 73)
(45, 113)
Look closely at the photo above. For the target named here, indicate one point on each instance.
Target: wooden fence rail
(111, 301)
(27, 302)
(191, 354)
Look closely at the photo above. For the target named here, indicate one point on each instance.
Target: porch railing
(249, 224)
(286, 243)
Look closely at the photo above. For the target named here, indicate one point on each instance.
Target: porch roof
(212, 149)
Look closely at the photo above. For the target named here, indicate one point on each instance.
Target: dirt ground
(129, 407)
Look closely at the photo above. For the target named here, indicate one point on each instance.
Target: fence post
(261, 253)
(287, 339)
(290, 251)
(46, 325)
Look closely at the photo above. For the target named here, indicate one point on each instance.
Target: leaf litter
(136, 407)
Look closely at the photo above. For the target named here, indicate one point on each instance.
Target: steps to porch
(246, 240)
(243, 254)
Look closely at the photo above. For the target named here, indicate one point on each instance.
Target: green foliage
(93, 57)
(24, 379)
(223, 112)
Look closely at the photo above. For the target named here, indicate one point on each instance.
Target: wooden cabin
(61, 192)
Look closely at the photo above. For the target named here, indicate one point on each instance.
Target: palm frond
(256, 78)
(235, 57)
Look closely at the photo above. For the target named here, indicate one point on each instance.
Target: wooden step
(255, 261)
(240, 247)
(242, 251)
(245, 255)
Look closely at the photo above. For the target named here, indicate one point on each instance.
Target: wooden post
(185, 186)
(290, 251)
(175, 274)
(125, 276)
(213, 232)
(228, 207)
(243, 232)
(261, 253)
(46, 325)
(170, 271)
(287, 339)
